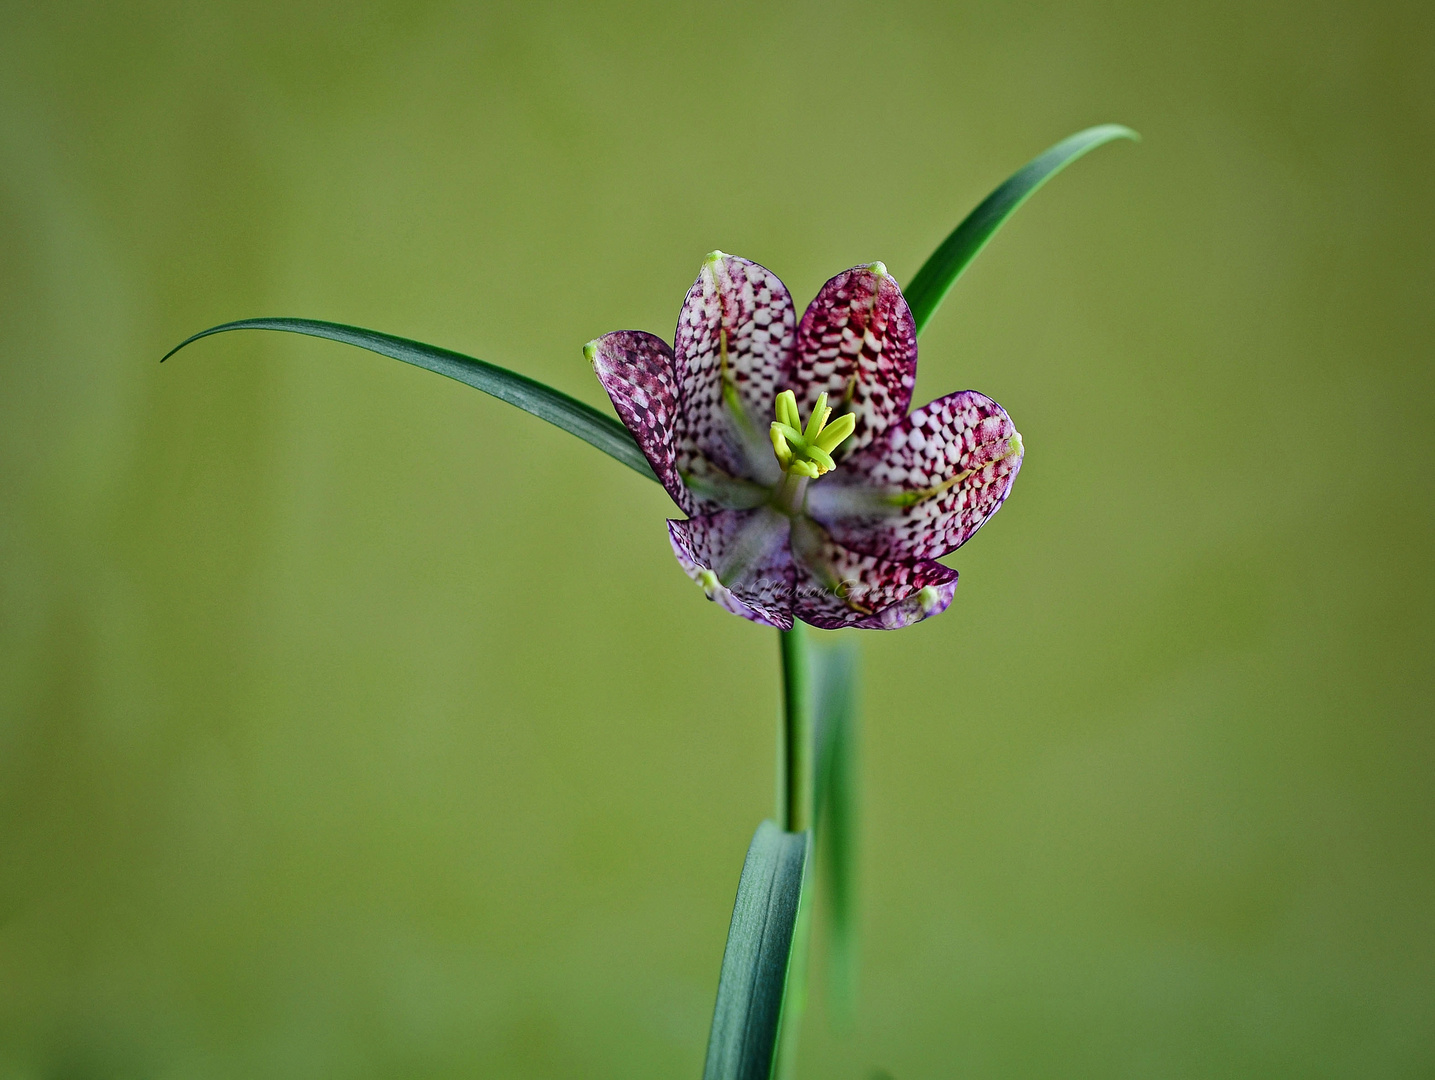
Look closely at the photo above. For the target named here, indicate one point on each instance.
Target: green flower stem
(797, 753)
(795, 747)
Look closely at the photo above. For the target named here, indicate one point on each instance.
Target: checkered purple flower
(837, 520)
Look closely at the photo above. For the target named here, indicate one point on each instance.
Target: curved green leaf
(544, 402)
(925, 291)
(747, 1019)
(834, 690)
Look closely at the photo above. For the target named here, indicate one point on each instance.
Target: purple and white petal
(742, 560)
(837, 587)
(733, 354)
(857, 343)
(923, 604)
(952, 461)
(636, 368)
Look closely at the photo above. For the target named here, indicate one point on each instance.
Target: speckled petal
(966, 435)
(917, 606)
(748, 551)
(636, 368)
(837, 587)
(858, 344)
(734, 353)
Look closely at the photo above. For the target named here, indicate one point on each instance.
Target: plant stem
(797, 751)
(794, 800)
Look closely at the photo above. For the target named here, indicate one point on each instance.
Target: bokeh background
(353, 724)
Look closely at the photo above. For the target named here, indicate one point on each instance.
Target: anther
(807, 450)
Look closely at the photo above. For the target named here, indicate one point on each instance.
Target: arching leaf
(530, 395)
(835, 663)
(747, 1020)
(926, 290)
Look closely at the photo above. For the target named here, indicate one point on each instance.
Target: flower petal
(734, 353)
(951, 462)
(636, 368)
(858, 344)
(923, 604)
(837, 587)
(742, 560)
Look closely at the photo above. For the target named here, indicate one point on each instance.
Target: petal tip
(708, 581)
(926, 602)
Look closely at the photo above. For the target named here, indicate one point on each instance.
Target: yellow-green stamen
(807, 451)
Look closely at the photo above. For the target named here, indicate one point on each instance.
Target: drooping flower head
(811, 492)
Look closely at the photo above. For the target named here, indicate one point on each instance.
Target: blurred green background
(353, 724)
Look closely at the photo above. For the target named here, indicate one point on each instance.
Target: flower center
(807, 451)
(804, 453)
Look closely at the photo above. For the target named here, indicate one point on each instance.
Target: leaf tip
(174, 350)
(1119, 131)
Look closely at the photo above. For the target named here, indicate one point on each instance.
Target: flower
(836, 520)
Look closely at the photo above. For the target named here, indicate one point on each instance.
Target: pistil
(791, 493)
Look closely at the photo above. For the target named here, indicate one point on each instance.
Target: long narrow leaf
(544, 402)
(794, 1000)
(834, 689)
(747, 1019)
(925, 291)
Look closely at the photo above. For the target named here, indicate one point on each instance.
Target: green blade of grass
(747, 1019)
(834, 688)
(927, 289)
(530, 395)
